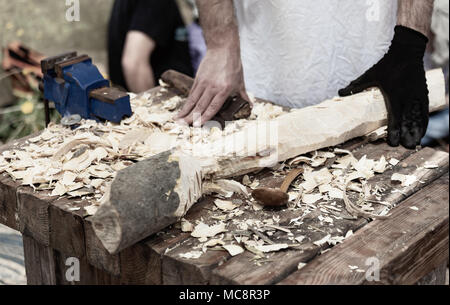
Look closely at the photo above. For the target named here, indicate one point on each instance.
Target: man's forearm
(219, 23)
(416, 14)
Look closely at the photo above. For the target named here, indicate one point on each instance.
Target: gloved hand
(400, 75)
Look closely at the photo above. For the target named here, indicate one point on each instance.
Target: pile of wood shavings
(81, 162)
(320, 190)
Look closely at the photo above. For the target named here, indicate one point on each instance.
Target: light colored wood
(407, 246)
(145, 199)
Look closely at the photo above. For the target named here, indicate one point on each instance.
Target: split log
(155, 193)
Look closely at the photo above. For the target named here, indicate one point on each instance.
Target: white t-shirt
(298, 53)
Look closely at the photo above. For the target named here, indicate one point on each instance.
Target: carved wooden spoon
(276, 197)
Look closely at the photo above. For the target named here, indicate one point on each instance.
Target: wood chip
(186, 226)
(91, 210)
(271, 248)
(203, 230)
(233, 249)
(225, 205)
(405, 180)
(322, 241)
(394, 162)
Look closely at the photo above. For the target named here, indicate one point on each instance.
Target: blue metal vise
(76, 86)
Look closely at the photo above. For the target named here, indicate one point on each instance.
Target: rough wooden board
(39, 263)
(408, 245)
(137, 266)
(96, 254)
(228, 274)
(33, 211)
(8, 202)
(157, 245)
(66, 229)
(179, 271)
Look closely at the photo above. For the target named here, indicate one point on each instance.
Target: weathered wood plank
(96, 254)
(408, 245)
(8, 202)
(312, 228)
(66, 228)
(33, 211)
(39, 263)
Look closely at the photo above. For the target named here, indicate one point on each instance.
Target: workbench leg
(39, 263)
(46, 266)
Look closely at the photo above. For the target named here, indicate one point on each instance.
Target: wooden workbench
(410, 245)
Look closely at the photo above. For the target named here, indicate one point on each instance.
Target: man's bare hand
(220, 73)
(219, 76)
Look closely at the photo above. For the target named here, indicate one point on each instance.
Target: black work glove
(400, 75)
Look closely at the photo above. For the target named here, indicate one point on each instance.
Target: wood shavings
(311, 198)
(336, 193)
(271, 248)
(186, 226)
(172, 103)
(232, 186)
(202, 230)
(378, 134)
(394, 162)
(246, 180)
(91, 210)
(225, 205)
(160, 142)
(211, 187)
(233, 250)
(322, 241)
(96, 151)
(133, 137)
(59, 189)
(380, 166)
(356, 211)
(300, 238)
(254, 184)
(405, 180)
(256, 206)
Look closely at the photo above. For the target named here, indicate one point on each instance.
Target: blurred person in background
(146, 38)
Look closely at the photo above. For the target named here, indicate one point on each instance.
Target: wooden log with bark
(150, 195)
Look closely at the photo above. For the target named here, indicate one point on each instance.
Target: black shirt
(161, 21)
